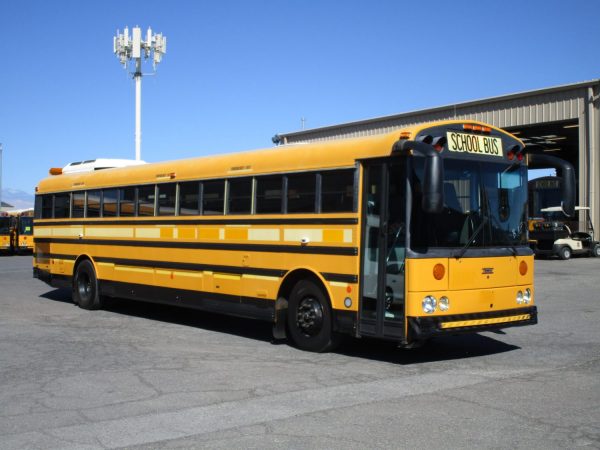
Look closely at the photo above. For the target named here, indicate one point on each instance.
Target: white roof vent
(99, 164)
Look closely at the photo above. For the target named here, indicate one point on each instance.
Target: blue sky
(238, 72)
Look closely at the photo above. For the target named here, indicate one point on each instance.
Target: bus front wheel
(86, 291)
(310, 319)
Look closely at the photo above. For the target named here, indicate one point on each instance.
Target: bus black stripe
(340, 277)
(268, 248)
(192, 267)
(42, 255)
(290, 221)
(172, 265)
(249, 307)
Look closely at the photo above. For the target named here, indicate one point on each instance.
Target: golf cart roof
(559, 209)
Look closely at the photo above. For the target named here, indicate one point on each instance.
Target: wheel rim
(309, 316)
(567, 253)
(84, 286)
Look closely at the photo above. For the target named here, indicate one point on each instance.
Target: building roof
(393, 117)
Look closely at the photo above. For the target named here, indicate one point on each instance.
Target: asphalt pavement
(149, 376)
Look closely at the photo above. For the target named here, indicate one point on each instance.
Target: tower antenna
(130, 50)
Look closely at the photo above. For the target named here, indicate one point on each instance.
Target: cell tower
(131, 49)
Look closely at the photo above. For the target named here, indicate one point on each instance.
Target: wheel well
(79, 260)
(294, 277)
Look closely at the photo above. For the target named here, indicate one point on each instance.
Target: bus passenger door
(383, 257)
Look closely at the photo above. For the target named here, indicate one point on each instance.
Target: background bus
(5, 233)
(406, 236)
(22, 231)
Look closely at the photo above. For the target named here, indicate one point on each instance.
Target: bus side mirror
(433, 179)
(433, 185)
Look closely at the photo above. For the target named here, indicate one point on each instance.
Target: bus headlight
(429, 303)
(527, 296)
(444, 304)
(519, 297)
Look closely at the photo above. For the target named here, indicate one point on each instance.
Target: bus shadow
(58, 295)
(221, 323)
(439, 349)
(237, 326)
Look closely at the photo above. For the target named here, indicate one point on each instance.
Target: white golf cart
(551, 236)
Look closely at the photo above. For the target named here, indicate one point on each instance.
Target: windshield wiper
(472, 238)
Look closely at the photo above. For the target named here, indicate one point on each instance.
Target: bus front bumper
(420, 328)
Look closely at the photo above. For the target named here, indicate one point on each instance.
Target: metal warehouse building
(564, 120)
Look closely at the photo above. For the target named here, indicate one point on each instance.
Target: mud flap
(281, 306)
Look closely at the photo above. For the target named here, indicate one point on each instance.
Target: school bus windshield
(4, 225)
(26, 225)
(485, 205)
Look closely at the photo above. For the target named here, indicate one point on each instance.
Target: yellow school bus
(405, 236)
(5, 233)
(22, 232)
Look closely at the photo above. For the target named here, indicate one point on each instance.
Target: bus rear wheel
(86, 290)
(310, 318)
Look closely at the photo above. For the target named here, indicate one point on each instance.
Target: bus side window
(127, 202)
(301, 193)
(93, 203)
(109, 202)
(189, 198)
(337, 191)
(78, 209)
(213, 197)
(61, 206)
(269, 194)
(166, 199)
(240, 196)
(145, 200)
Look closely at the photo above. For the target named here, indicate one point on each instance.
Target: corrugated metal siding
(512, 112)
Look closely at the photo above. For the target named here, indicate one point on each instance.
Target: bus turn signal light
(439, 271)
(523, 268)
(55, 171)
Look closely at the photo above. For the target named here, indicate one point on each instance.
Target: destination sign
(476, 144)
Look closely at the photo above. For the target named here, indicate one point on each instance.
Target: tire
(86, 289)
(310, 323)
(564, 252)
(595, 250)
